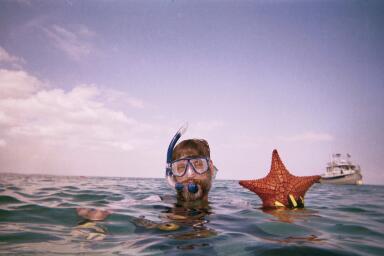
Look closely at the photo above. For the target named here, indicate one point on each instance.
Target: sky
(100, 87)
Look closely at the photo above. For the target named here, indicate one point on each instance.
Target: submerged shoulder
(93, 214)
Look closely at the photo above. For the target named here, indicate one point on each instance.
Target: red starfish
(279, 187)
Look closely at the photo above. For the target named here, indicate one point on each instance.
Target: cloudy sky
(100, 87)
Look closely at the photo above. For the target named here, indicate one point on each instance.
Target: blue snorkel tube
(192, 187)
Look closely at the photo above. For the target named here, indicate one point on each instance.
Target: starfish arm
(280, 185)
(262, 186)
(302, 184)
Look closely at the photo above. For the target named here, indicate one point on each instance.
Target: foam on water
(38, 216)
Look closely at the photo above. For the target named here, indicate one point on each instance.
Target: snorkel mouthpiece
(192, 188)
(179, 186)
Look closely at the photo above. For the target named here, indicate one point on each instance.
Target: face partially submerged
(191, 170)
(195, 170)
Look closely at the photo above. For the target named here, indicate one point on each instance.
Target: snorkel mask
(192, 187)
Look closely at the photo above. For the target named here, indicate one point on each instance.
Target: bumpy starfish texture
(279, 187)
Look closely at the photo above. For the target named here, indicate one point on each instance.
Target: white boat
(341, 170)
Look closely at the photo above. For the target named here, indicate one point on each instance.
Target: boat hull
(349, 179)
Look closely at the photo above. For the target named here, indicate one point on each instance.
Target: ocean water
(38, 217)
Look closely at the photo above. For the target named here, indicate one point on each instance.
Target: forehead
(188, 152)
(190, 148)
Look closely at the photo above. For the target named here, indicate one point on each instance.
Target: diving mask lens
(179, 167)
(199, 165)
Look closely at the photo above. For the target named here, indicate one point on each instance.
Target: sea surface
(38, 217)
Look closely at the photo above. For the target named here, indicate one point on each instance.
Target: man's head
(191, 164)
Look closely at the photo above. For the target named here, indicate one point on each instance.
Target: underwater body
(38, 217)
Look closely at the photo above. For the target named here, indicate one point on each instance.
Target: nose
(190, 171)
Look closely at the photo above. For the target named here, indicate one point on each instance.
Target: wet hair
(192, 147)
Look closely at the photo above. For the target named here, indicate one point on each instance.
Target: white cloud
(121, 99)
(77, 118)
(74, 42)
(17, 84)
(308, 137)
(84, 31)
(7, 58)
(84, 130)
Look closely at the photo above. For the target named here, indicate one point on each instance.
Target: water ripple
(38, 216)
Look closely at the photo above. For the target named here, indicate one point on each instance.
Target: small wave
(354, 230)
(8, 200)
(38, 214)
(351, 209)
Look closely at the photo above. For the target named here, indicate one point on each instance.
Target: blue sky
(100, 87)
